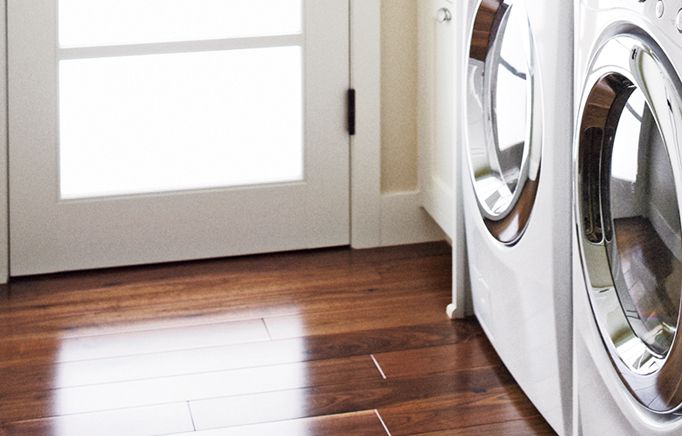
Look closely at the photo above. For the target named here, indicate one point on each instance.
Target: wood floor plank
(96, 312)
(273, 288)
(141, 342)
(185, 388)
(364, 423)
(333, 399)
(154, 341)
(166, 419)
(277, 271)
(394, 313)
(436, 267)
(100, 348)
(207, 305)
(28, 376)
(59, 286)
(324, 309)
(473, 353)
(496, 405)
(274, 280)
(535, 426)
(253, 270)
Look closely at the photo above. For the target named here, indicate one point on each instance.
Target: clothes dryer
(628, 240)
(517, 129)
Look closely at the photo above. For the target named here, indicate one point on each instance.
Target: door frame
(365, 166)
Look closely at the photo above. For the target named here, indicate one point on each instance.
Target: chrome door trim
(623, 63)
(506, 224)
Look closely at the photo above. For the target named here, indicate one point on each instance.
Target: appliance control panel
(666, 12)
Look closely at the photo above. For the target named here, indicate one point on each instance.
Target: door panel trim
(365, 68)
(52, 234)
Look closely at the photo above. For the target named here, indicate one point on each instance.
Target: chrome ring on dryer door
(504, 113)
(628, 192)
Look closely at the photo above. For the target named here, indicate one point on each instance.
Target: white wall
(403, 221)
(399, 95)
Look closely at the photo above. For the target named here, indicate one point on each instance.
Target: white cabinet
(441, 99)
(438, 105)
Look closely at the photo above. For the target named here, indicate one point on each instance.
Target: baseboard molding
(404, 221)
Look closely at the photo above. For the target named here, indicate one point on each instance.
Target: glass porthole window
(504, 120)
(627, 191)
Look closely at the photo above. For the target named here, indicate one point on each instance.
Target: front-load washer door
(504, 115)
(628, 194)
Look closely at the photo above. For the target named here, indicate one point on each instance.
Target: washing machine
(517, 129)
(628, 239)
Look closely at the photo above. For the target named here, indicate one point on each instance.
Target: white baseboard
(404, 221)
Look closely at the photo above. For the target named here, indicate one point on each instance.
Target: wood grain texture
(27, 376)
(159, 390)
(366, 423)
(523, 427)
(164, 419)
(326, 400)
(474, 353)
(452, 411)
(281, 344)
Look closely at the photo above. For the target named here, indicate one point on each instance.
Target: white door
(149, 131)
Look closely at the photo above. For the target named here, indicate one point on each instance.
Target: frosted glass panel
(119, 22)
(144, 124)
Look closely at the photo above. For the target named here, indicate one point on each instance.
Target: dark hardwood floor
(325, 342)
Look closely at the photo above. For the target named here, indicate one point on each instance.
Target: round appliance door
(504, 117)
(628, 196)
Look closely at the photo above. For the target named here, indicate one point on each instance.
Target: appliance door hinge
(351, 111)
